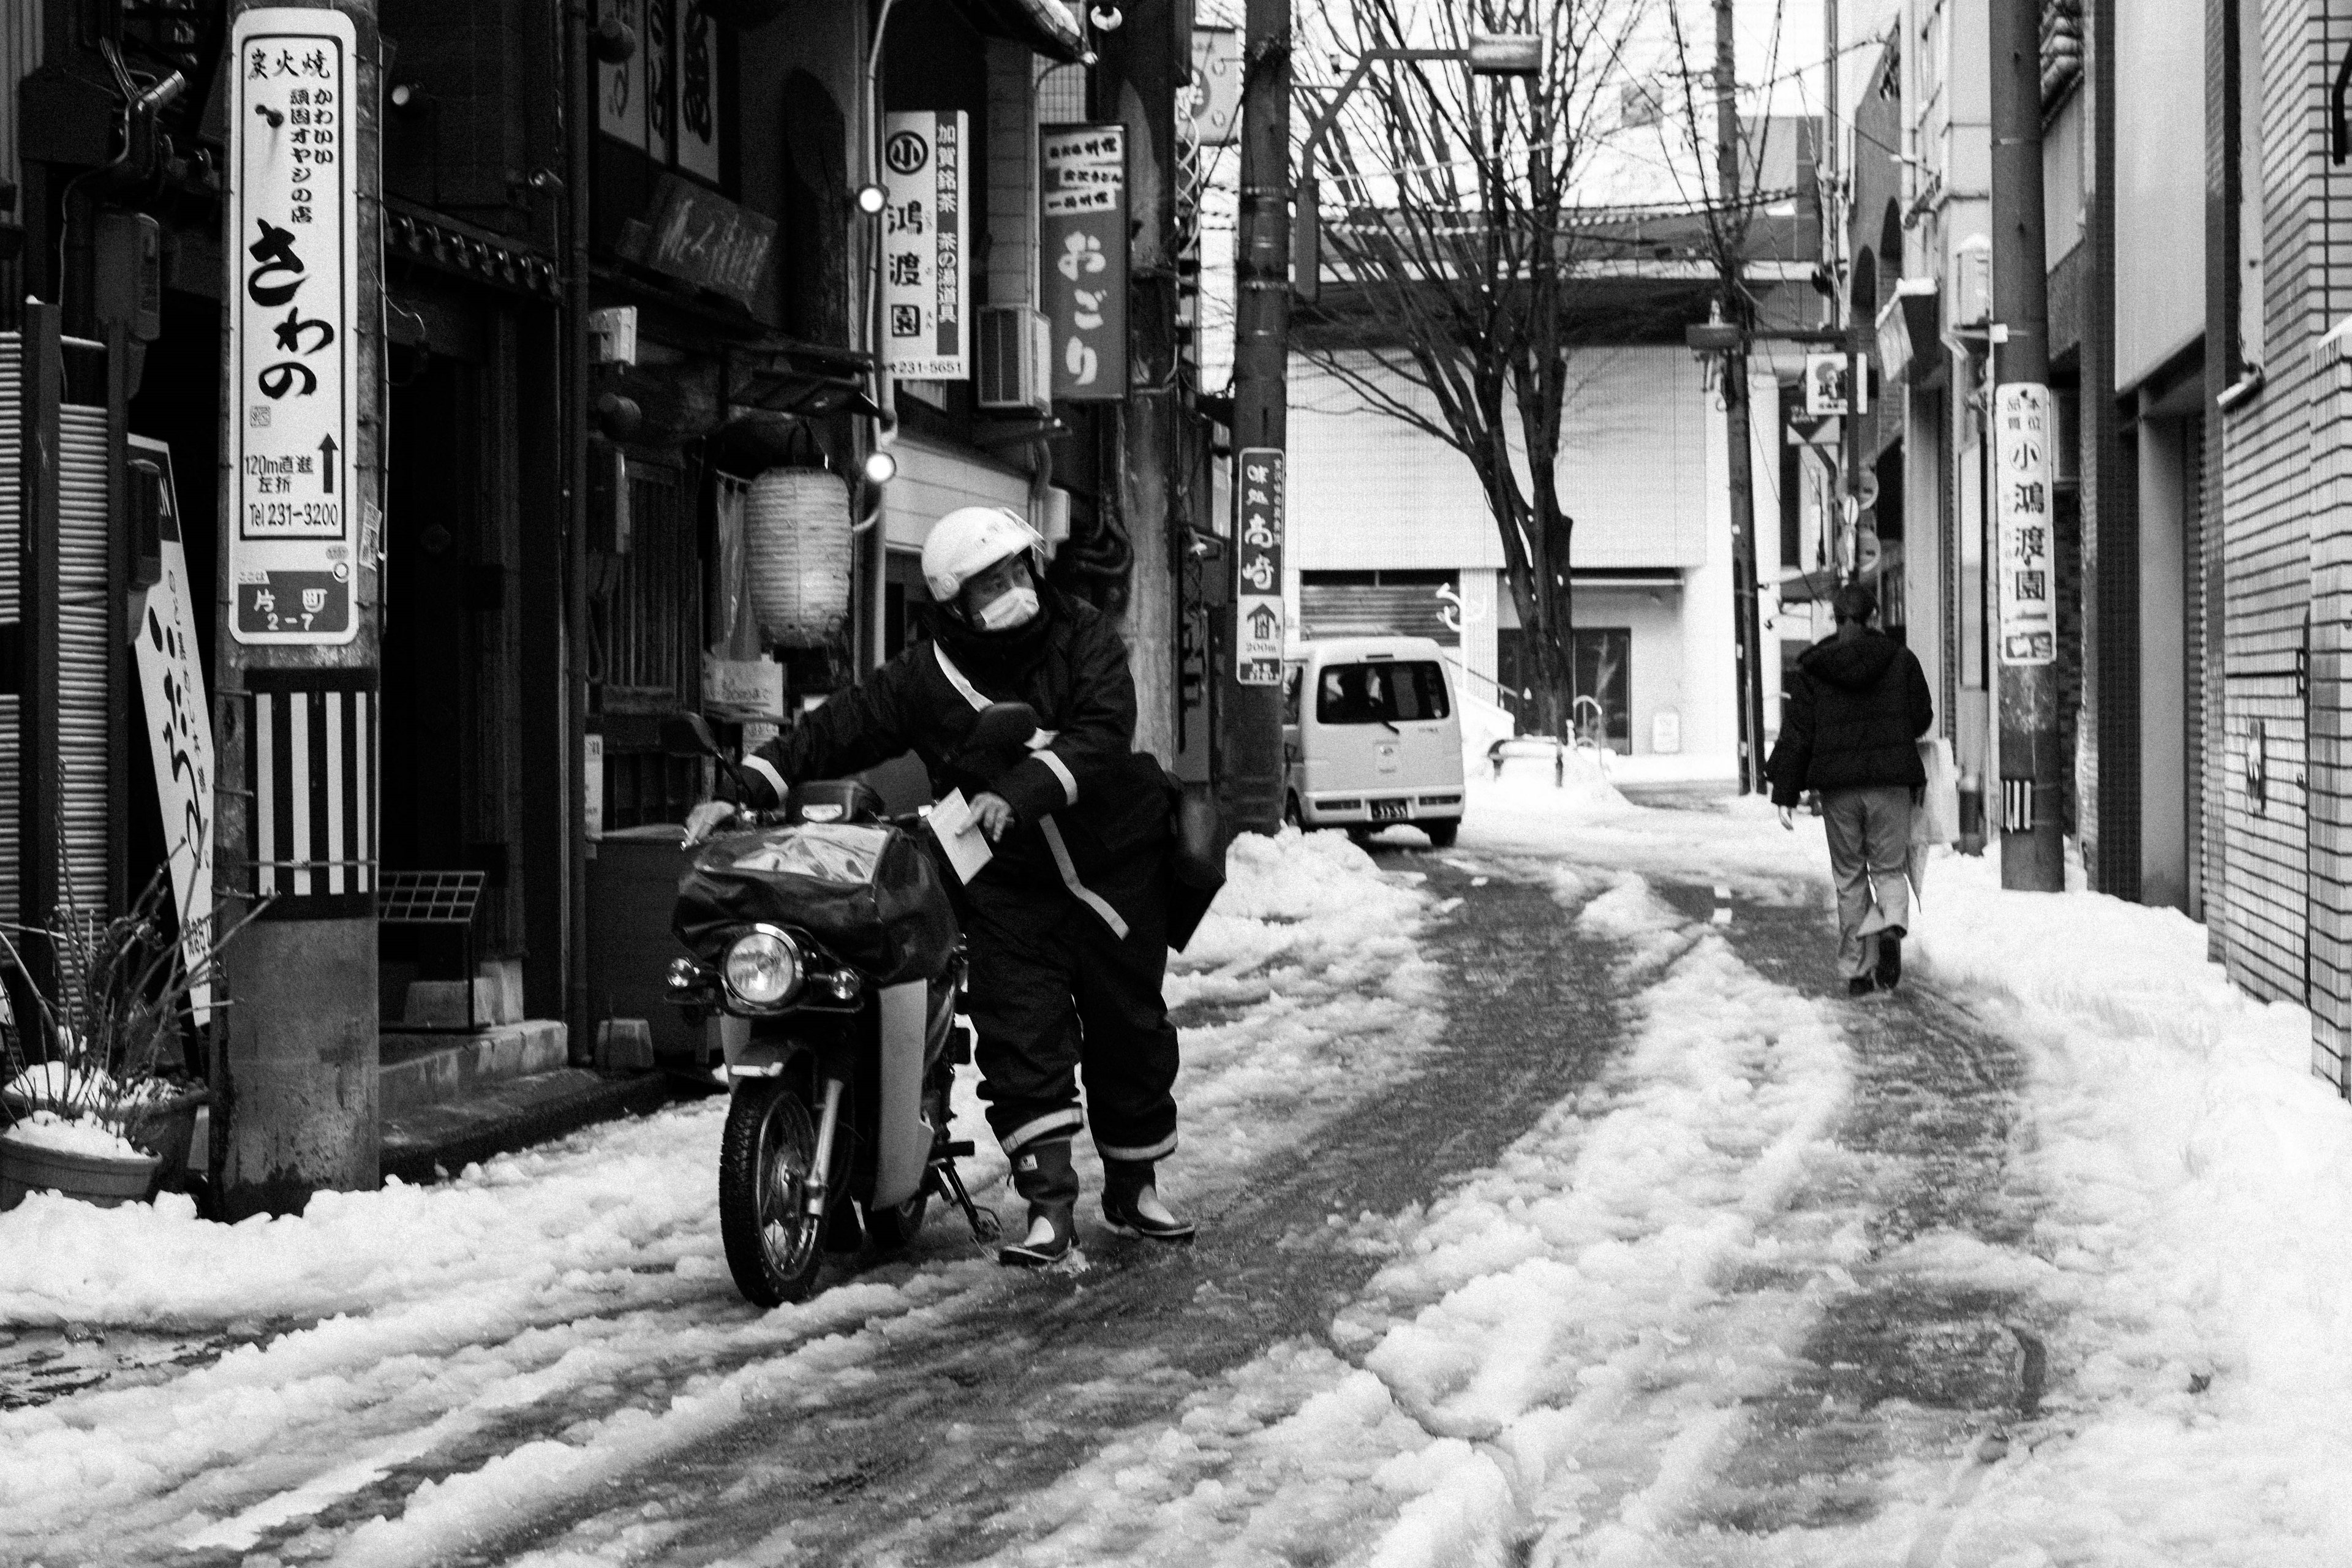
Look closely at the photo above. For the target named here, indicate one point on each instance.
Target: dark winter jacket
(1107, 803)
(1853, 719)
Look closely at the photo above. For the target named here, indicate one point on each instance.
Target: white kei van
(1371, 736)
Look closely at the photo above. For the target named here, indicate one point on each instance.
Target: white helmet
(968, 541)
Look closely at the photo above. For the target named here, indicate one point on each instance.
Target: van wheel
(1441, 834)
(1292, 815)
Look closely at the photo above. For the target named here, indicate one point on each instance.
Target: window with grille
(645, 613)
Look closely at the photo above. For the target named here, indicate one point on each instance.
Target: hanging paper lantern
(799, 556)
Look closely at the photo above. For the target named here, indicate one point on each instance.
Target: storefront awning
(1047, 27)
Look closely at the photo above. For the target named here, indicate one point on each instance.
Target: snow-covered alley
(1556, 1212)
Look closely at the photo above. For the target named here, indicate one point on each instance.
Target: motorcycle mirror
(1004, 726)
(688, 735)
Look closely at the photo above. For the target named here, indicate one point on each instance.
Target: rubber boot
(1041, 1173)
(1133, 1205)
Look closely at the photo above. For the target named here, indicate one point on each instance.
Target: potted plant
(96, 1101)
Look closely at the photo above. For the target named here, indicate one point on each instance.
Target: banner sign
(1217, 86)
(179, 728)
(293, 280)
(1257, 565)
(1082, 270)
(925, 176)
(2028, 589)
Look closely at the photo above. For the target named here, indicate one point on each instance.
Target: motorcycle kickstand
(986, 1229)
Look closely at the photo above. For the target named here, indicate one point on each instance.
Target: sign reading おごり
(2027, 589)
(1257, 565)
(926, 326)
(1082, 270)
(293, 281)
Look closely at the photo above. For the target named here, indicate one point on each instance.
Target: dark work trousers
(1057, 993)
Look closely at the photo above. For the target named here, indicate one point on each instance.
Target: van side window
(1407, 691)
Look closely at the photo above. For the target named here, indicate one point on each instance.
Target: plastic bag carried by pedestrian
(1938, 819)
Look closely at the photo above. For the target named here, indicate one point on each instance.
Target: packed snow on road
(1582, 1351)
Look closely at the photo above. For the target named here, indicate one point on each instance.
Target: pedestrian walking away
(1068, 925)
(1849, 733)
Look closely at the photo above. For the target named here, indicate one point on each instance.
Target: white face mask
(1013, 608)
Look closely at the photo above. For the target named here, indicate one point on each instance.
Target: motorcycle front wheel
(765, 1159)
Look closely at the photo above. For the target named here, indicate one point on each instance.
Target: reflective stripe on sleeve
(1061, 771)
(767, 769)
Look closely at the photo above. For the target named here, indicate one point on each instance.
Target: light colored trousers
(1870, 851)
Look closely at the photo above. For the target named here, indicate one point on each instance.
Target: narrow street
(1550, 1208)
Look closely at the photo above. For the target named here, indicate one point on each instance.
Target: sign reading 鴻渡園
(1081, 259)
(2027, 588)
(1258, 566)
(292, 282)
(927, 328)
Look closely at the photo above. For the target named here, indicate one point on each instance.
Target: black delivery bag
(871, 896)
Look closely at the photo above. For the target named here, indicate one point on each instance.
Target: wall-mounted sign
(666, 98)
(701, 238)
(293, 279)
(1257, 565)
(1082, 265)
(1217, 86)
(2027, 589)
(926, 317)
(698, 88)
(1827, 390)
(179, 726)
(621, 84)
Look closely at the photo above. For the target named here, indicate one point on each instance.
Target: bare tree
(1453, 254)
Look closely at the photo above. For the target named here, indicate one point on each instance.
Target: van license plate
(1391, 811)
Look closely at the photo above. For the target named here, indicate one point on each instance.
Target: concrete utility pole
(1249, 779)
(1142, 66)
(1744, 609)
(300, 619)
(1838, 255)
(2032, 853)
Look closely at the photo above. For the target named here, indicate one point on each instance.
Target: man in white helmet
(1068, 926)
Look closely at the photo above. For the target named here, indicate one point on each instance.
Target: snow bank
(2201, 1220)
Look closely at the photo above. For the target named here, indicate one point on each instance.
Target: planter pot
(105, 1180)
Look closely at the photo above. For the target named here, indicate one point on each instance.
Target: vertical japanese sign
(179, 729)
(1257, 565)
(621, 84)
(697, 90)
(656, 46)
(293, 277)
(927, 328)
(2026, 591)
(1082, 270)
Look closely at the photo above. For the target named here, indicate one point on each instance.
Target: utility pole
(300, 609)
(2033, 854)
(1833, 241)
(1249, 777)
(1732, 233)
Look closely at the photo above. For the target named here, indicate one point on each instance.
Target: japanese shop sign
(293, 276)
(621, 84)
(179, 728)
(697, 90)
(927, 328)
(1082, 265)
(2022, 523)
(701, 238)
(1257, 565)
(1217, 86)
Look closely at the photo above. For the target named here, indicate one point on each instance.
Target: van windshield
(1403, 692)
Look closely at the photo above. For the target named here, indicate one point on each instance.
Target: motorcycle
(824, 937)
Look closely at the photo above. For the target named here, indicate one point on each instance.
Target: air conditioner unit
(1016, 348)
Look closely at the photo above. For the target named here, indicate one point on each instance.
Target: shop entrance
(451, 789)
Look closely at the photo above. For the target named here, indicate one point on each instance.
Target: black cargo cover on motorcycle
(871, 896)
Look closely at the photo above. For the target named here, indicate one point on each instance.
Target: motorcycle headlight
(763, 967)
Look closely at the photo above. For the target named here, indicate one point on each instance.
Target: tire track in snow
(918, 1462)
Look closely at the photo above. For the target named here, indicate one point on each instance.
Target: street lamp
(1489, 54)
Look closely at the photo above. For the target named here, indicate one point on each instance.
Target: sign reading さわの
(927, 328)
(1257, 565)
(292, 245)
(2027, 589)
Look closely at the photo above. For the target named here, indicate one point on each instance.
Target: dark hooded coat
(1111, 803)
(1853, 719)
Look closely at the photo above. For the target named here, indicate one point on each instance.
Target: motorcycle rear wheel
(765, 1159)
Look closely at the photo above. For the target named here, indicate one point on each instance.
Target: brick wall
(2267, 522)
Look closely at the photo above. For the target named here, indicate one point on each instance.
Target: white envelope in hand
(959, 833)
